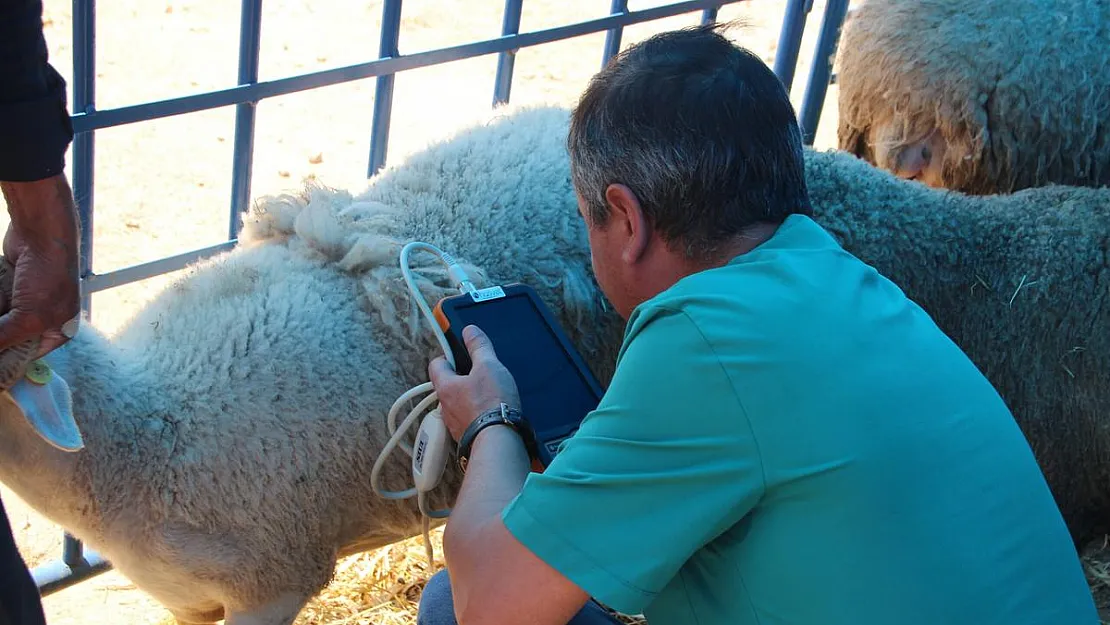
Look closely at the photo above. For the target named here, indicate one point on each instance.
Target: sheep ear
(48, 407)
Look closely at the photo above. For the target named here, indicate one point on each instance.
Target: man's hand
(463, 397)
(494, 578)
(42, 245)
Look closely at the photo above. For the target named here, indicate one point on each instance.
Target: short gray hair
(701, 130)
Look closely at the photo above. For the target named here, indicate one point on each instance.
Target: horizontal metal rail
(61, 574)
(133, 273)
(85, 121)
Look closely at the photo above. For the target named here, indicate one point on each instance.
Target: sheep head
(982, 97)
(911, 102)
(886, 147)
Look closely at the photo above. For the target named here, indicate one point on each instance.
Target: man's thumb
(477, 343)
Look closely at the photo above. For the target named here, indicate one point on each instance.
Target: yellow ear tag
(47, 403)
(39, 373)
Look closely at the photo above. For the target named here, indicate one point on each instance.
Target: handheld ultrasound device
(557, 389)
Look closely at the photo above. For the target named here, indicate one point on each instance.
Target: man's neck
(666, 266)
(751, 238)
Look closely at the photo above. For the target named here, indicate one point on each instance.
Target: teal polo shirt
(789, 440)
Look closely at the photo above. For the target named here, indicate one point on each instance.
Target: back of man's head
(700, 130)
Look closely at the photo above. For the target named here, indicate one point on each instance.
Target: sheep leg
(281, 611)
(181, 621)
(197, 617)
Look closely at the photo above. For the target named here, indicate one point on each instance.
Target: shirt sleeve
(665, 464)
(35, 128)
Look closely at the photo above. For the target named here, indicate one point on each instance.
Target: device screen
(553, 394)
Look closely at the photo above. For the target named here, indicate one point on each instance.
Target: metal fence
(78, 564)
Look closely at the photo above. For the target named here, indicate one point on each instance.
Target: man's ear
(628, 217)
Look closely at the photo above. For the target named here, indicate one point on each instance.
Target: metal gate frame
(78, 564)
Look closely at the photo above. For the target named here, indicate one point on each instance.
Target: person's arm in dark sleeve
(35, 130)
(42, 240)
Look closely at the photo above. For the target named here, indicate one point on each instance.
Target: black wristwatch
(502, 415)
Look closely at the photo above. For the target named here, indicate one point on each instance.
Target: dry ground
(163, 187)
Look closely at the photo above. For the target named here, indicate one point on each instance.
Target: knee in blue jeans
(436, 606)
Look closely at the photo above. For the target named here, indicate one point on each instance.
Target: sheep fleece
(1018, 89)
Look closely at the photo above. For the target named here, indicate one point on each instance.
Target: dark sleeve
(20, 603)
(35, 129)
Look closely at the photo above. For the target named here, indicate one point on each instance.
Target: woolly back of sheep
(496, 195)
(1019, 89)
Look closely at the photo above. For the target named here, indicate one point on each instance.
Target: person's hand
(462, 398)
(42, 246)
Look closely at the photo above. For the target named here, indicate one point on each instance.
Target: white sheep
(231, 427)
(979, 96)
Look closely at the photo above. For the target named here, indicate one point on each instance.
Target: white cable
(395, 439)
(458, 275)
(463, 283)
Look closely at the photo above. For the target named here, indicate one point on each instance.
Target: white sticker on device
(483, 295)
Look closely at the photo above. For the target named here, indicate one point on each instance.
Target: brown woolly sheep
(979, 96)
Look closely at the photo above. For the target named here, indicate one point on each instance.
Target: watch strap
(502, 415)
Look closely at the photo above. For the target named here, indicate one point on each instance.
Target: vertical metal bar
(250, 40)
(790, 40)
(84, 100)
(510, 25)
(710, 15)
(818, 84)
(383, 95)
(613, 36)
(73, 553)
(84, 95)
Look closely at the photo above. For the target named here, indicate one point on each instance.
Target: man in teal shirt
(787, 439)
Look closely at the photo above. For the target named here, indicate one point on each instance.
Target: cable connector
(461, 279)
(455, 271)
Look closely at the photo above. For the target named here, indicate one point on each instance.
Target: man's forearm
(43, 212)
(495, 474)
